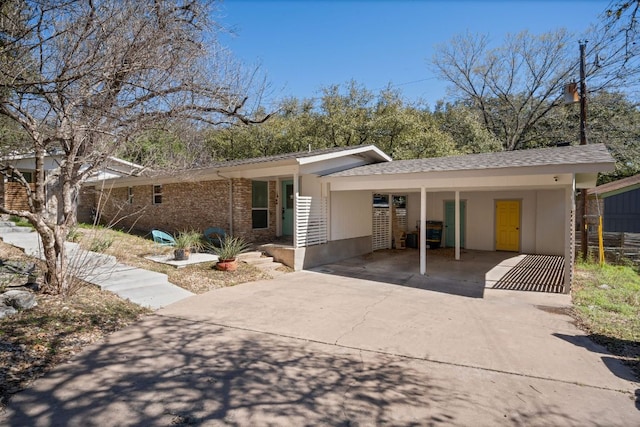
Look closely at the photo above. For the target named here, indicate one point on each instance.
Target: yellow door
(508, 225)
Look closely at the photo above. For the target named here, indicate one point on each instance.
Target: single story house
(338, 203)
(618, 202)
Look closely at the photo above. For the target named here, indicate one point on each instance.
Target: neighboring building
(619, 204)
(323, 200)
(13, 195)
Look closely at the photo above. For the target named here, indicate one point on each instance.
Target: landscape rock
(20, 300)
(5, 311)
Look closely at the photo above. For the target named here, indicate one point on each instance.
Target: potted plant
(185, 243)
(228, 251)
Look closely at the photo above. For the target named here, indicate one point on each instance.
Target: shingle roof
(571, 155)
(631, 182)
(285, 156)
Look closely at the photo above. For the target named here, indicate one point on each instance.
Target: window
(130, 195)
(28, 176)
(157, 194)
(380, 200)
(259, 204)
(400, 202)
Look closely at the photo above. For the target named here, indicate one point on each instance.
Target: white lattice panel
(381, 230)
(311, 220)
(401, 218)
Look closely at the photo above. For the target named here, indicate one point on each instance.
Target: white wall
(542, 218)
(30, 163)
(310, 186)
(551, 215)
(351, 214)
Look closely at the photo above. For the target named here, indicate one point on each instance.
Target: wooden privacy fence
(617, 246)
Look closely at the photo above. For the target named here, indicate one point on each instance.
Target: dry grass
(197, 278)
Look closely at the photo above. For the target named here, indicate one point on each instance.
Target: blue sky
(305, 45)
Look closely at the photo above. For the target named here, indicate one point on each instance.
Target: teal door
(287, 208)
(450, 223)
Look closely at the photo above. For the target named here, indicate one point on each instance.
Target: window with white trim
(259, 204)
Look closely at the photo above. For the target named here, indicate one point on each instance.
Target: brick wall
(15, 196)
(86, 204)
(188, 206)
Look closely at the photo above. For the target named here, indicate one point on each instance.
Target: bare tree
(84, 77)
(513, 85)
(614, 49)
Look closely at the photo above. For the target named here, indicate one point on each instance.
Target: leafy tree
(424, 139)
(465, 127)
(345, 119)
(86, 77)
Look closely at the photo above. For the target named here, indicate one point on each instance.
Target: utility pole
(584, 240)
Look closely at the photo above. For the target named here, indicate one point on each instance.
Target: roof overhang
(573, 175)
(263, 169)
(369, 151)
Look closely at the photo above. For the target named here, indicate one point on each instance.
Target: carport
(520, 202)
(480, 270)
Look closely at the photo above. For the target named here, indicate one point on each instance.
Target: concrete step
(250, 256)
(259, 261)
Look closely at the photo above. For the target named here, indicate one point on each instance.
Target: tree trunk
(56, 277)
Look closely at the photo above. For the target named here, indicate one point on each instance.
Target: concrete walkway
(312, 348)
(143, 287)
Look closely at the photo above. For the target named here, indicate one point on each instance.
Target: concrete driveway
(311, 348)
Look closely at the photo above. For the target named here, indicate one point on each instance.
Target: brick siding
(187, 206)
(86, 205)
(15, 196)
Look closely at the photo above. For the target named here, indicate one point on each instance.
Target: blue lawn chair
(214, 236)
(163, 239)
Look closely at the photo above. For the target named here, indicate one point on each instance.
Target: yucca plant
(185, 243)
(230, 248)
(191, 240)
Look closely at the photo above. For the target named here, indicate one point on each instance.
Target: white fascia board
(586, 180)
(123, 166)
(358, 150)
(382, 183)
